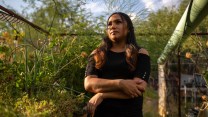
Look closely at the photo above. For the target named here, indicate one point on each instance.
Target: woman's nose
(113, 26)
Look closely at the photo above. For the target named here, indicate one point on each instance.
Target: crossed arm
(126, 88)
(118, 89)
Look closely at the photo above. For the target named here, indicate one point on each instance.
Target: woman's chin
(115, 40)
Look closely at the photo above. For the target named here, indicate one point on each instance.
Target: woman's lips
(114, 32)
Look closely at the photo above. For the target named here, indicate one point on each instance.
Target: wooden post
(162, 90)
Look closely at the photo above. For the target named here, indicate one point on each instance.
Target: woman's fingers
(141, 83)
(90, 108)
(138, 92)
(134, 95)
(133, 88)
(140, 88)
(94, 102)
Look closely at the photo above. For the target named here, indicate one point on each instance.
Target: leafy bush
(30, 107)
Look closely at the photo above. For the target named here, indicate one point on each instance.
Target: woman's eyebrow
(115, 20)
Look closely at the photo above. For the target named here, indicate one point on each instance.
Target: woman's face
(117, 28)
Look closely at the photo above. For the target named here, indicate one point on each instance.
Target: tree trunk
(162, 90)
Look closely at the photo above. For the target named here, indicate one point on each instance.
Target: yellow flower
(84, 54)
(5, 34)
(188, 55)
(2, 56)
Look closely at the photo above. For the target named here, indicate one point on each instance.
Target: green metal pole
(193, 15)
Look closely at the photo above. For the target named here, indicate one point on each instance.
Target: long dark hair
(131, 45)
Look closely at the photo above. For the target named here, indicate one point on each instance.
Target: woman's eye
(118, 22)
(110, 23)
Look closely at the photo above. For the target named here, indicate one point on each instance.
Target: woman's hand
(142, 83)
(94, 102)
(133, 88)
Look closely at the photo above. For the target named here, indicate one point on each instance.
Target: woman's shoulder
(93, 52)
(143, 51)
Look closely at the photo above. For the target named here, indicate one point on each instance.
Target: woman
(117, 72)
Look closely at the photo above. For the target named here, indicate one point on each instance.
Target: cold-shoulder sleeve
(90, 68)
(143, 67)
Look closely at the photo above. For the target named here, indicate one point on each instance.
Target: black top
(116, 67)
